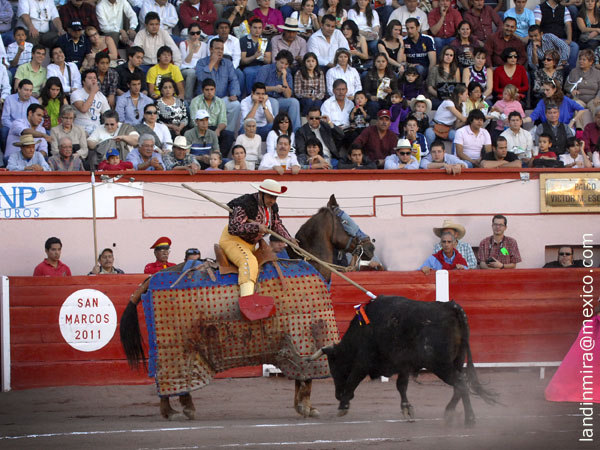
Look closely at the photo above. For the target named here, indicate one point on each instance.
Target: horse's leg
(188, 406)
(314, 412)
(165, 408)
(302, 399)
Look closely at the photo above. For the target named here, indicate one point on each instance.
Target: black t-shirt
(490, 156)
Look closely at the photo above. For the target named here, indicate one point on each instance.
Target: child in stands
(113, 162)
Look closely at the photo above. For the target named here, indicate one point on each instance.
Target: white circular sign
(87, 320)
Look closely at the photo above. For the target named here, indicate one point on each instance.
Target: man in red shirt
(162, 248)
(52, 266)
(443, 23)
(378, 140)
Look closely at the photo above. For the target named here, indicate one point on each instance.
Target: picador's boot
(254, 306)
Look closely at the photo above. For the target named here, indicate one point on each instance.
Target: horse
(328, 231)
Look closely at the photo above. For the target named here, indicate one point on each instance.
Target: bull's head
(340, 370)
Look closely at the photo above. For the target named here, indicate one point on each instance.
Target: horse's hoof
(189, 413)
(314, 412)
(303, 410)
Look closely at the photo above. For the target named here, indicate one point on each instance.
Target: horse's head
(355, 241)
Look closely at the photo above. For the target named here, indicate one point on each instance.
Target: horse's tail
(487, 395)
(131, 338)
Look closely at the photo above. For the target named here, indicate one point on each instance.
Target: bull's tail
(488, 395)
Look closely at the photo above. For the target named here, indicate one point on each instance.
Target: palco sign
(570, 193)
(87, 320)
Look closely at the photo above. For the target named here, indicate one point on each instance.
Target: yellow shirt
(156, 74)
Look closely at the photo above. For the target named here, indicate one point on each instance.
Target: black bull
(403, 337)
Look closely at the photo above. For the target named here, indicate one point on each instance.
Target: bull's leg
(302, 399)
(451, 406)
(165, 409)
(347, 394)
(188, 406)
(466, 399)
(402, 385)
(458, 379)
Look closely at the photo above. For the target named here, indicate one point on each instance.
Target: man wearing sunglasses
(315, 127)
(131, 104)
(565, 259)
(505, 38)
(162, 249)
(403, 159)
(541, 43)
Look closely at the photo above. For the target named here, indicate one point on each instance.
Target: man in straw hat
(28, 158)
(458, 231)
(289, 40)
(252, 216)
(179, 158)
(403, 159)
(448, 258)
(162, 249)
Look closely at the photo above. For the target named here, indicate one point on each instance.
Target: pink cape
(567, 384)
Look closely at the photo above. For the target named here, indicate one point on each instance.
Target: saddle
(264, 254)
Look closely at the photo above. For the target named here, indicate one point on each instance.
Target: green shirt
(26, 72)
(217, 110)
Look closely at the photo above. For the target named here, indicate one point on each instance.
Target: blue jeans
(384, 13)
(423, 71)
(573, 52)
(430, 136)
(307, 103)
(286, 11)
(372, 47)
(440, 43)
(250, 73)
(242, 80)
(292, 107)
(233, 114)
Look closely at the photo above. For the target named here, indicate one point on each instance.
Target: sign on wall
(87, 320)
(573, 193)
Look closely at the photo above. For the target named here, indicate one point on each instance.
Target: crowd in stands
(292, 85)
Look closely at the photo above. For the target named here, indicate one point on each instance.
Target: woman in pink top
(271, 17)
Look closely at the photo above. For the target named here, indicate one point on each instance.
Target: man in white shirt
(37, 17)
(257, 106)
(152, 37)
(111, 17)
(336, 110)
(519, 140)
(410, 10)
(165, 10)
(325, 42)
(281, 161)
(89, 102)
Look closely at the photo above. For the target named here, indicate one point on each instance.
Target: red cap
(384, 113)
(161, 242)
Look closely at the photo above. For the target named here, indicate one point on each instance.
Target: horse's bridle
(354, 245)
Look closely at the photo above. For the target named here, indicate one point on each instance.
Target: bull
(401, 337)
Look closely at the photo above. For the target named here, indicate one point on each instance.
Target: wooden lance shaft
(288, 242)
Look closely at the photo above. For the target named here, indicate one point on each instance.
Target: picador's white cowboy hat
(270, 187)
(460, 230)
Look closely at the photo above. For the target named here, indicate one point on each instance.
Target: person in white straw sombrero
(252, 216)
(462, 247)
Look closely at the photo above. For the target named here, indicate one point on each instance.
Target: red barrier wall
(515, 316)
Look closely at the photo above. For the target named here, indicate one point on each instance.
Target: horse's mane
(309, 231)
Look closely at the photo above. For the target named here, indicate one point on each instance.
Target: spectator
(367, 20)
(42, 20)
(179, 158)
(260, 107)
(6, 17)
(498, 251)
(65, 161)
(144, 157)
(504, 107)
(409, 11)
(238, 153)
(327, 41)
(281, 125)
(117, 20)
(130, 105)
(583, 82)
(309, 84)
(214, 161)
(320, 129)
(108, 78)
(172, 112)
(99, 44)
(27, 159)
(238, 14)
(476, 102)
(66, 129)
(420, 108)
(419, 49)
(343, 71)
(290, 41)
(482, 18)
(392, 45)
(503, 39)
(135, 56)
(202, 12)
(379, 139)
(74, 43)
(400, 110)
(448, 258)
(524, 17)
(30, 126)
(232, 49)
(282, 160)
(444, 72)
(226, 81)
(439, 159)
(191, 52)
(67, 72)
(591, 136)
(554, 18)
(33, 70)
(575, 156)
(540, 44)
(255, 52)
(52, 97)
(403, 159)
(314, 158)
(500, 157)
(251, 142)
(518, 140)
(111, 134)
(113, 162)
(89, 102)
(588, 22)
(167, 14)
(52, 265)
(473, 141)
(570, 110)
(411, 84)
(565, 259)
(335, 111)
(306, 19)
(18, 52)
(79, 10)
(162, 249)
(162, 135)
(377, 89)
(203, 140)
(443, 22)
(359, 50)
(270, 17)
(152, 38)
(458, 232)
(510, 73)
(448, 116)
(464, 44)
(479, 73)
(550, 71)
(418, 143)
(335, 9)
(105, 264)
(546, 156)
(357, 160)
